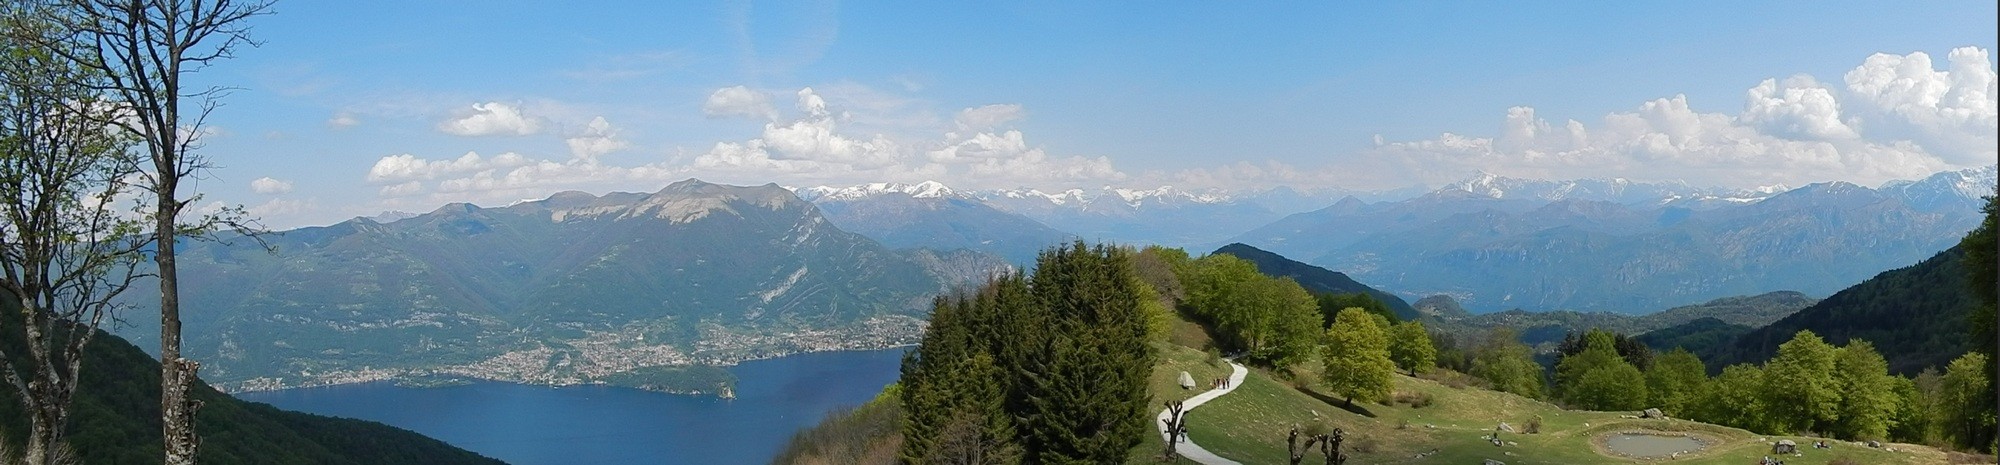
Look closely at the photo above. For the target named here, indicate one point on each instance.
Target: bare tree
(145, 48)
(1176, 425)
(65, 250)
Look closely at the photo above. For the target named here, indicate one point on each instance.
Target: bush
(1534, 425)
(1415, 399)
(1362, 444)
(1454, 379)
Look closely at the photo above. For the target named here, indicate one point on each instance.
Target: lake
(528, 425)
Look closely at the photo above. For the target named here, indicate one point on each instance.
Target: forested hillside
(1916, 316)
(117, 421)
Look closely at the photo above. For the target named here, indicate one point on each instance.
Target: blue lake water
(529, 425)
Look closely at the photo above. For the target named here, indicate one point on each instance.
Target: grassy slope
(1249, 426)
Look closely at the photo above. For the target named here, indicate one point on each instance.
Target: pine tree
(1410, 346)
(1356, 356)
(1085, 401)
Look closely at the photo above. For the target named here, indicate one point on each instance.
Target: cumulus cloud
(598, 138)
(739, 101)
(983, 117)
(490, 119)
(269, 186)
(1897, 117)
(407, 167)
(1950, 112)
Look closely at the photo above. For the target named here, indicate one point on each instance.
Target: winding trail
(1187, 447)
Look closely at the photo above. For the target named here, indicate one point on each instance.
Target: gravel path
(1187, 448)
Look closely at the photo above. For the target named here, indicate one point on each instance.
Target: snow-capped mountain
(1947, 190)
(922, 190)
(1496, 243)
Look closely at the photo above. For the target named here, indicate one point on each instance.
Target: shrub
(1415, 399)
(1362, 444)
(1534, 425)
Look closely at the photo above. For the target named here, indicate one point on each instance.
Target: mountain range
(575, 288)
(1495, 243)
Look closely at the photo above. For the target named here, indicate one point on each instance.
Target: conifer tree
(1085, 400)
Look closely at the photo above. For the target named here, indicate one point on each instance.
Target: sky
(353, 108)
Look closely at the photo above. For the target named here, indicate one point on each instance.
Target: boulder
(1652, 413)
(1187, 382)
(1505, 427)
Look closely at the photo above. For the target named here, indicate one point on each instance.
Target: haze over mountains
(573, 288)
(625, 287)
(1491, 242)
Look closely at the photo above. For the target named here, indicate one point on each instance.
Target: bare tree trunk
(143, 47)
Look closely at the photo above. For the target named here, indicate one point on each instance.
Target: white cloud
(811, 103)
(739, 101)
(269, 186)
(979, 118)
(1897, 118)
(491, 118)
(406, 167)
(403, 190)
(343, 120)
(598, 138)
(1801, 110)
(1950, 112)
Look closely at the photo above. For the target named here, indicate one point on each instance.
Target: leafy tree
(1272, 319)
(1961, 392)
(1733, 398)
(1330, 305)
(143, 49)
(1868, 399)
(1357, 356)
(1637, 353)
(1800, 392)
(1598, 379)
(1507, 363)
(1674, 381)
(1410, 346)
(1295, 330)
(1916, 407)
(66, 251)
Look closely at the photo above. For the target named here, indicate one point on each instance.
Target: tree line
(1041, 368)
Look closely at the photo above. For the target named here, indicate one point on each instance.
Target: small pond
(1651, 445)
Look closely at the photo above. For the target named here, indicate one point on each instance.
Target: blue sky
(352, 108)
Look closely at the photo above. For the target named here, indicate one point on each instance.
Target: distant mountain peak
(922, 190)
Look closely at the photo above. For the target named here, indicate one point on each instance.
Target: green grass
(1250, 424)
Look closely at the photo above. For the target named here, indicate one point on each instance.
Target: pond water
(1651, 445)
